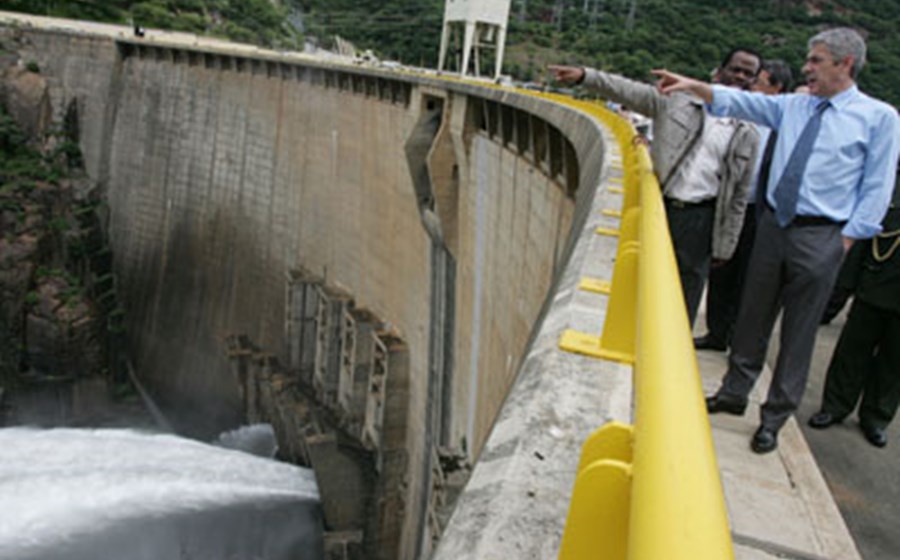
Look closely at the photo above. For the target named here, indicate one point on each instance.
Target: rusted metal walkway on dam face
(516, 502)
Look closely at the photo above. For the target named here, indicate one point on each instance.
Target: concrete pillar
(354, 384)
(445, 40)
(376, 397)
(476, 52)
(501, 46)
(342, 479)
(467, 47)
(398, 529)
(301, 323)
(331, 337)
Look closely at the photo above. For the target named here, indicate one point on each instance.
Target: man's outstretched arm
(670, 82)
(567, 74)
(638, 96)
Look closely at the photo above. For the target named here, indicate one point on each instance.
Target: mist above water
(120, 494)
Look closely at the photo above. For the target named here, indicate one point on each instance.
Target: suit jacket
(677, 127)
(878, 282)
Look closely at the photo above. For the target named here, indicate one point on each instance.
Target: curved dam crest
(362, 258)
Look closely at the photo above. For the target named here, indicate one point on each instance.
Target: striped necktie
(788, 189)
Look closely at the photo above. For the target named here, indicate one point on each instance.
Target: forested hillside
(625, 36)
(249, 21)
(628, 36)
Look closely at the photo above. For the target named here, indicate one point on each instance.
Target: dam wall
(302, 206)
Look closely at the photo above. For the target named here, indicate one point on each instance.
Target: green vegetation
(625, 36)
(31, 298)
(405, 30)
(72, 291)
(628, 36)
(22, 166)
(251, 21)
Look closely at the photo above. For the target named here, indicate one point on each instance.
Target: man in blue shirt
(726, 279)
(831, 181)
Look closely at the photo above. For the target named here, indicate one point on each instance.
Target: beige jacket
(677, 126)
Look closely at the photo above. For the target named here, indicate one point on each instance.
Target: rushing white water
(78, 494)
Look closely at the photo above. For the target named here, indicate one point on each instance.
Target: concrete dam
(367, 260)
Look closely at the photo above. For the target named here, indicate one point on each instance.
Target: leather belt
(803, 221)
(675, 203)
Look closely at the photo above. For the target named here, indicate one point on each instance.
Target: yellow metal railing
(653, 490)
(649, 491)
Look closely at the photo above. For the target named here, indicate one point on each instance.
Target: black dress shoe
(875, 436)
(709, 342)
(823, 419)
(721, 403)
(764, 440)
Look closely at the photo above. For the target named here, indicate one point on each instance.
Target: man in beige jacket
(704, 164)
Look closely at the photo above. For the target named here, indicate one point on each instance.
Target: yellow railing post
(599, 528)
(617, 341)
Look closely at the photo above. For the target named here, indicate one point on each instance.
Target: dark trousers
(726, 284)
(793, 268)
(691, 227)
(866, 362)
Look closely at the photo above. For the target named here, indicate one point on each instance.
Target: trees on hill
(262, 22)
(627, 36)
(624, 36)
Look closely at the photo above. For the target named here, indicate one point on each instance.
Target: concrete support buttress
(460, 137)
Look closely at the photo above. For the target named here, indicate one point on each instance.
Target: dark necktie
(788, 189)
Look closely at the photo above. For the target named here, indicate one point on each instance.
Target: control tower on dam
(361, 258)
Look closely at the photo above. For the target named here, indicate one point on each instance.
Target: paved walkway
(779, 504)
(863, 479)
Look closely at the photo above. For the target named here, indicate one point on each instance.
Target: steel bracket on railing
(595, 525)
(618, 339)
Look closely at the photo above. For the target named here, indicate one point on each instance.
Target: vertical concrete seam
(110, 117)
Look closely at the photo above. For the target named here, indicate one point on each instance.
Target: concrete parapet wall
(515, 503)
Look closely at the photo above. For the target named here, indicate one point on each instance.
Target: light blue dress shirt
(764, 133)
(851, 171)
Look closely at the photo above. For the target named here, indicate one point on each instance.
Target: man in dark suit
(866, 360)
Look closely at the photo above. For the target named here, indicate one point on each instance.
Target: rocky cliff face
(53, 332)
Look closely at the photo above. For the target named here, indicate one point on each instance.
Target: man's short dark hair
(780, 74)
(736, 50)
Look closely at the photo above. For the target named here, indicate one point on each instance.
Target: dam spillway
(79, 494)
(359, 257)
